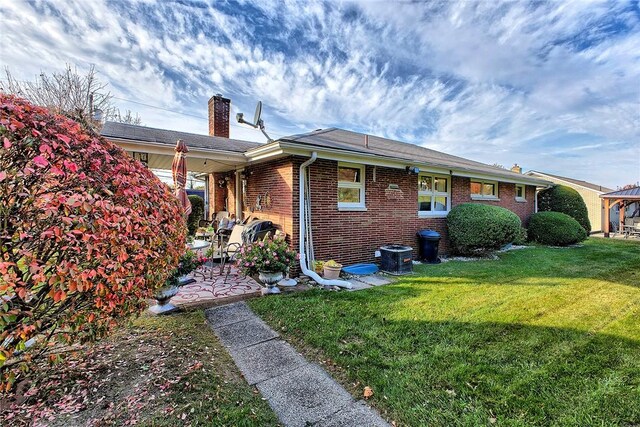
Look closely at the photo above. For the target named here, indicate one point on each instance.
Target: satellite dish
(256, 117)
(257, 121)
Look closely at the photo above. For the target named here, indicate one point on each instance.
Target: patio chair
(218, 217)
(632, 227)
(224, 249)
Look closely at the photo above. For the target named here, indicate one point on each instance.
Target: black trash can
(428, 242)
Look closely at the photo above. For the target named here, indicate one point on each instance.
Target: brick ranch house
(365, 191)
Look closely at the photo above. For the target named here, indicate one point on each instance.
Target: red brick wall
(391, 216)
(274, 179)
(350, 236)
(506, 194)
(217, 195)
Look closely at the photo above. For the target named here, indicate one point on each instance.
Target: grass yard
(160, 371)
(542, 337)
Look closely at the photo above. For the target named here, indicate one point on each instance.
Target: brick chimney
(515, 168)
(219, 109)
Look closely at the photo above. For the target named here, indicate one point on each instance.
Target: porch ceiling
(194, 164)
(198, 159)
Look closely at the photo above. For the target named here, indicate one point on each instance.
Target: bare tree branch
(70, 93)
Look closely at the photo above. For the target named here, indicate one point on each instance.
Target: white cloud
(491, 81)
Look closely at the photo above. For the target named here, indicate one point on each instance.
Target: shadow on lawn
(457, 372)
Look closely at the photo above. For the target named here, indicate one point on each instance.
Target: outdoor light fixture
(412, 169)
(141, 157)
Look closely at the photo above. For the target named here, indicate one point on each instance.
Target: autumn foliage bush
(86, 234)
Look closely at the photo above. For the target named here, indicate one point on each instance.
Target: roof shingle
(353, 141)
(573, 181)
(169, 137)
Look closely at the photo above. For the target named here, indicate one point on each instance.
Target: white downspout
(303, 257)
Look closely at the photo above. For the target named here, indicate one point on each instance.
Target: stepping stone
(357, 285)
(243, 334)
(266, 360)
(374, 280)
(227, 314)
(304, 396)
(355, 414)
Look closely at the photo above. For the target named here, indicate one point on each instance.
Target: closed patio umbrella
(179, 171)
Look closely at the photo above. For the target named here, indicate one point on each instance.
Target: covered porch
(217, 161)
(627, 204)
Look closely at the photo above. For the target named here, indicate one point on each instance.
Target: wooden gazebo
(621, 198)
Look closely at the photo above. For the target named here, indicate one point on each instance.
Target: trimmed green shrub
(197, 213)
(521, 237)
(561, 198)
(555, 228)
(477, 228)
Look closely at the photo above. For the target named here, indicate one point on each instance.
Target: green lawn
(540, 337)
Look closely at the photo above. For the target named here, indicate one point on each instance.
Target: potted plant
(269, 259)
(332, 269)
(318, 266)
(189, 261)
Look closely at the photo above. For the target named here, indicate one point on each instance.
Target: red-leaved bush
(86, 234)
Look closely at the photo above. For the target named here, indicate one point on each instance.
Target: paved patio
(215, 291)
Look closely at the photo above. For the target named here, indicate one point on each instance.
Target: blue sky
(553, 86)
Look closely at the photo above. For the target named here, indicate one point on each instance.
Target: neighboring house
(590, 194)
(365, 191)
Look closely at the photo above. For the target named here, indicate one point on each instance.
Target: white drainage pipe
(303, 256)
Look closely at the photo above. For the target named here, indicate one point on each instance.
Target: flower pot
(270, 278)
(162, 296)
(331, 272)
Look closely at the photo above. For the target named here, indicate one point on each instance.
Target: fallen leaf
(368, 392)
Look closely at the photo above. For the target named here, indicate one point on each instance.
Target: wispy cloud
(494, 81)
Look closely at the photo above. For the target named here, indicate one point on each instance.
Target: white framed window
(351, 186)
(521, 193)
(484, 189)
(433, 195)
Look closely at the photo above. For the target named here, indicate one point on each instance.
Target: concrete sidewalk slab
(357, 285)
(227, 314)
(266, 360)
(300, 393)
(304, 396)
(374, 280)
(245, 333)
(355, 414)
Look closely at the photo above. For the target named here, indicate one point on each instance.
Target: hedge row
(476, 229)
(560, 198)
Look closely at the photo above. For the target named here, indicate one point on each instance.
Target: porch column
(622, 212)
(239, 195)
(211, 186)
(607, 209)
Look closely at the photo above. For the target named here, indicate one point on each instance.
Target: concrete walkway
(299, 392)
